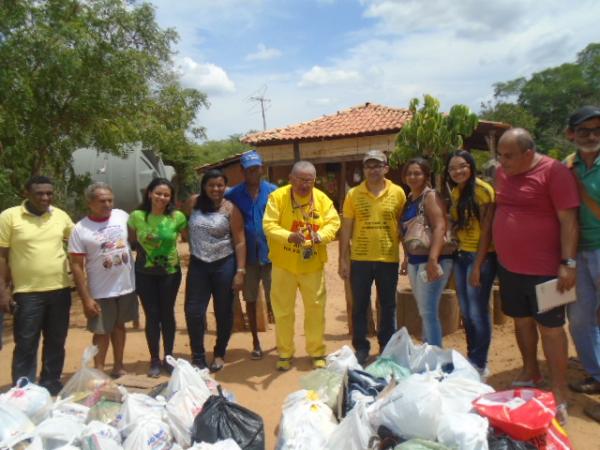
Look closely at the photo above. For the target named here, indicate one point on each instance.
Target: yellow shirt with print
(375, 232)
(281, 218)
(468, 237)
(37, 256)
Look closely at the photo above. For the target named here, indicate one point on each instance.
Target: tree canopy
(86, 73)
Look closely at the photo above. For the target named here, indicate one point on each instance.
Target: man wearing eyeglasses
(584, 315)
(370, 220)
(299, 222)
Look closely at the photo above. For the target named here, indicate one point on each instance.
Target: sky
(315, 57)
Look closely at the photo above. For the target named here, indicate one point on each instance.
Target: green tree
(511, 113)
(84, 73)
(433, 134)
(216, 150)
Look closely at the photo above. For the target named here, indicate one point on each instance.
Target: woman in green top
(154, 229)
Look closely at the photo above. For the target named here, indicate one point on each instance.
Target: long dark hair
(423, 164)
(146, 205)
(203, 203)
(467, 206)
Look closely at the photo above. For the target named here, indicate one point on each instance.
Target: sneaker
(284, 364)
(587, 386)
(362, 356)
(154, 371)
(199, 363)
(319, 362)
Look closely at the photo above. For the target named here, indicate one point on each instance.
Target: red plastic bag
(555, 439)
(521, 413)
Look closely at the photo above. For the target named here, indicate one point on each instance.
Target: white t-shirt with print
(107, 254)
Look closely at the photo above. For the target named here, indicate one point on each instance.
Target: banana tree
(432, 134)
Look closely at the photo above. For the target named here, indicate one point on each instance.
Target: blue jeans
(46, 314)
(203, 280)
(475, 304)
(428, 297)
(583, 314)
(362, 275)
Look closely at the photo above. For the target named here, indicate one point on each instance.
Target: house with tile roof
(336, 144)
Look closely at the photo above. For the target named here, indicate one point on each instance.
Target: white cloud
(207, 77)
(263, 53)
(319, 76)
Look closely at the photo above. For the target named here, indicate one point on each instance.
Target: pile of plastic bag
(414, 397)
(93, 413)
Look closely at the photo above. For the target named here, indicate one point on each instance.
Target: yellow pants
(284, 285)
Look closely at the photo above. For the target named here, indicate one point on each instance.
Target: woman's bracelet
(242, 270)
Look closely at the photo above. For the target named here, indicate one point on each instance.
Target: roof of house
(362, 120)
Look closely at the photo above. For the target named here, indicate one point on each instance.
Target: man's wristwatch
(569, 262)
(241, 270)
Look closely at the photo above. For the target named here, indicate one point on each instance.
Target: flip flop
(256, 354)
(216, 366)
(533, 383)
(118, 374)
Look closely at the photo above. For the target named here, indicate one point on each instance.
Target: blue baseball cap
(251, 159)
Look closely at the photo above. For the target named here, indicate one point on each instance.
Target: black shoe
(199, 363)
(586, 386)
(362, 356)
(154, 371)
(217, 365)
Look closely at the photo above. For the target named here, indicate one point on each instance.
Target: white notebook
(548, 296)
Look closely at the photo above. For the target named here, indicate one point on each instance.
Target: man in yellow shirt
(299, 222)
(33, 257)
(370, 219)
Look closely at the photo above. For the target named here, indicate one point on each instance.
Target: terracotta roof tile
(365, 119)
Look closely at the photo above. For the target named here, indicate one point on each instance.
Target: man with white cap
(250, 196)
(584, 315)
(370, 221)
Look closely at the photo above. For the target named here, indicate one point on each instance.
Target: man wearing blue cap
(251, 197)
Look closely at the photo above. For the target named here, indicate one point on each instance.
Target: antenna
(260, 97)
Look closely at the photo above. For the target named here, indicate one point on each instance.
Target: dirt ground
(259, 387)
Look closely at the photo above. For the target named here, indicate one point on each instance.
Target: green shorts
(114, 311)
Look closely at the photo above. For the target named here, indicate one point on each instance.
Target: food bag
(34, 400)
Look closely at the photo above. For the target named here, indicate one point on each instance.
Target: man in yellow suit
(299, 222)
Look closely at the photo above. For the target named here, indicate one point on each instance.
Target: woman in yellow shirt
(471, 212)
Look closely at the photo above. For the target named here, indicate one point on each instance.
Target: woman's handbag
(417, 239)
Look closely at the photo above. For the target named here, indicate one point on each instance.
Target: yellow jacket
(281, 219)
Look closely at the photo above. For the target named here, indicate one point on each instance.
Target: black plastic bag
(221, 419)
(504, 442)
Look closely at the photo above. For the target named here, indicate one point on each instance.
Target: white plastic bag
(463, 431)
(15, 426)
(354, 432)
(138, 407)
(411, 409)
(342, 360)
(182, 408)
(458, 393)
(306, 422)
(102, 430)
(149, 434)
(57, 432)
(34, 400)
(66, 408)
(227, 444)
(184, 374)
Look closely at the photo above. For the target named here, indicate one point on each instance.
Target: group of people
(539, 221)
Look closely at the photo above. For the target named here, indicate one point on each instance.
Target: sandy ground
(260, 388)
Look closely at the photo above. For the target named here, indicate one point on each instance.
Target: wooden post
(239, 322)
(342, 186)
(296, 151)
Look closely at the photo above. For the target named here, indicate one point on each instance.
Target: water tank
(128, 176)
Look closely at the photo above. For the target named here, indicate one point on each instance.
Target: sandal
(215, 366)
(284, 364)
(118, 373)
(561, 414)
(533, 383)
(256, 354)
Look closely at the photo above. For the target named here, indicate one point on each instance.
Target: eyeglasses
(305, 180)
(460, 168)
(586, 132)
(373, 166)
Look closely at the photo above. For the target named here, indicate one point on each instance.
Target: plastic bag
(342, 360)
(306, 422)
(105, 411)
(182, 409)
(521, 413)
(411, 409)
(88, 385)
(463, 431)
(420, 444)
(420, 358)
(15, 426)
(35, 401)
(68, 409)
(458, 394)
(358, 386)
(57, 432)
(326, 382)
(149, 434)
(102, 430)
(387, 368)
(221, 419)
(184, 374)
(354, 432)
(555, 438)
(138, 407)
(503, 442)
(227, 444)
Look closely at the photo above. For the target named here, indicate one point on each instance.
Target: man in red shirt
(535, 231)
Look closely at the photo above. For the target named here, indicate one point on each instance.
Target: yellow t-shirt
(468, 237)
(375, 231)
(281, 218)
(37, 256)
